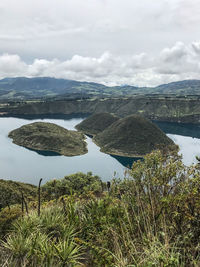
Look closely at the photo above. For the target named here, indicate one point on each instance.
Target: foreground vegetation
(11, 192)
(151, 218)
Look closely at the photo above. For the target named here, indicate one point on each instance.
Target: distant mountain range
(22, 88)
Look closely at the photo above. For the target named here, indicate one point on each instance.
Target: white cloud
(196, 47)
(180, 59)
(178, 62)
(11, 65)
(188, 14)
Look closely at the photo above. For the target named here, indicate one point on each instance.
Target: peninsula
(44, 136)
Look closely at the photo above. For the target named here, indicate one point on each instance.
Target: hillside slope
(177, 109)
(132, 136)
(96, 123)
(22, 88)
(10, 192)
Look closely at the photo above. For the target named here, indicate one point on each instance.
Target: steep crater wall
(185, 110)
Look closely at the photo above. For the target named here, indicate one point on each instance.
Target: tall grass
(151, 218)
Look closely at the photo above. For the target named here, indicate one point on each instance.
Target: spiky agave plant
(47, 240)
(17, 248)
(68, 252)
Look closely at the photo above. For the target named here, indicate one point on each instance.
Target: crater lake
(21, 164)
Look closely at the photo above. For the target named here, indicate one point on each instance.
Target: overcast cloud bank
(179, 62)
(137, 42)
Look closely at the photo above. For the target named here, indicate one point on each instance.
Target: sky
(114, 42)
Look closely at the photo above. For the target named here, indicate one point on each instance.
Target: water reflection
(186, 136)
(44, 152)
(184, 129)
(189, 147)
(125, 161)
(49, 116)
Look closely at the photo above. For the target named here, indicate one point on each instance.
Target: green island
(132, 136)
(44, 136)
(96, 123)
(150, 218)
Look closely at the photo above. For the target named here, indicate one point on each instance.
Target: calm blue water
(21, 164)
(186, 136)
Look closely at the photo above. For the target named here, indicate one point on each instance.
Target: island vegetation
(43, 136)
(150, 218)
(96, 123)
(132, 136)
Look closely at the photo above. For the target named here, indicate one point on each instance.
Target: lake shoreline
(21, 164)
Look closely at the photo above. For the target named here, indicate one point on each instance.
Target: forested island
(132, 136)
(43, 136)
(96, 123)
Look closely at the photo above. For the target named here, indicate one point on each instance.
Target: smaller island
(43, 136)
(96, 123)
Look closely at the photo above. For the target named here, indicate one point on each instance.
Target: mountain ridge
(24, 88)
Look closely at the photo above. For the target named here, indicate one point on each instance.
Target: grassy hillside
(163, 108)
(132, 136)
(96, 123)
(10, 192)
(22, 88)
(44, 136)
(44, 87)
(186, 87)
(151, 218)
